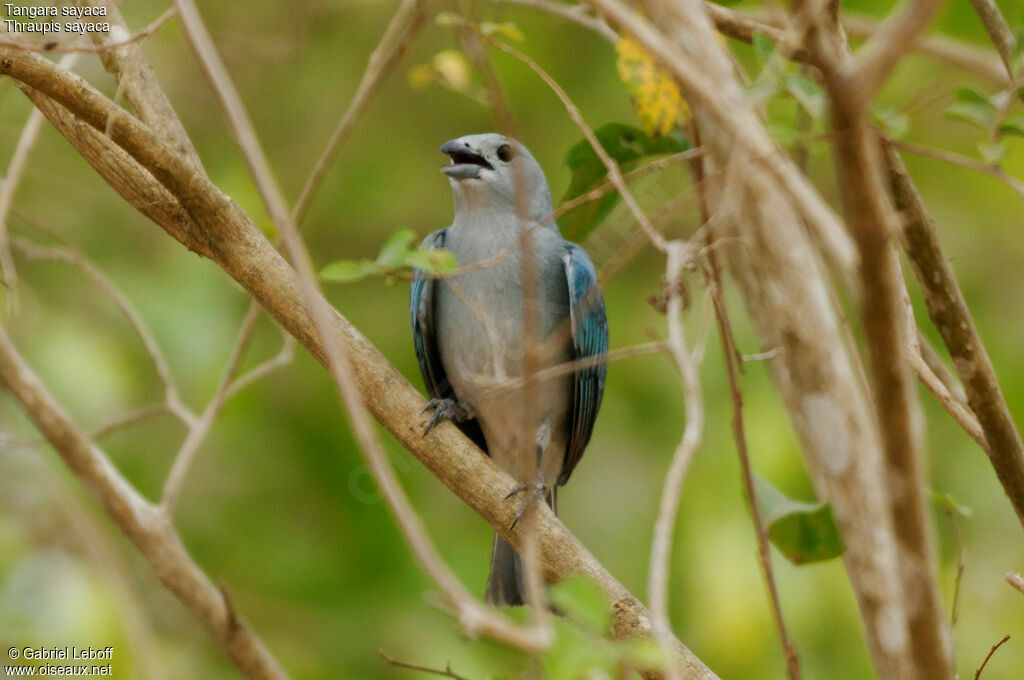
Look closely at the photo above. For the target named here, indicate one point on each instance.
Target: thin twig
(56, 47)
(939, 368)
(446, 672)
(570, 367)
(963, 161)
(977, 673)
(578, 14)
(201, 427)
(129, 418)
(733, 362)
(9, 185)
(283, 357)
(668, 508)
(529, 420)
(614, 172)
(608, 186)
(172, 395)
(956, 408)
(400, 30)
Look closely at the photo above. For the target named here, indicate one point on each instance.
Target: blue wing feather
(589, 327)
(424, 336)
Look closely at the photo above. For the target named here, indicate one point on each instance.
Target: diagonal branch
(397, 36)
(999, 31)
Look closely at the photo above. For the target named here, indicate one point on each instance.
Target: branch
(886, 47)
(998, 30)
(874, 224)
(739, 26)
(143, 523)
(952, 318)
(201, 217)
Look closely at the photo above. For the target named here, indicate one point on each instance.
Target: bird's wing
(589, 328)
(424, 335)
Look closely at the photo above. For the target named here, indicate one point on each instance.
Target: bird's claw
(446, 409)
(538, 496)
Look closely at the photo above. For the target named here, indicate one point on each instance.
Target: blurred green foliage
(279, 506)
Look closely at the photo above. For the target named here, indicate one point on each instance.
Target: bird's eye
(504, 153)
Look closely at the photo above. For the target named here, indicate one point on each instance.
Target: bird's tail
(505, 585)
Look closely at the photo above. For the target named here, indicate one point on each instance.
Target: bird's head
(487, 171)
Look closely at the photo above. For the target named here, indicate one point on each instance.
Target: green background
(278, 506)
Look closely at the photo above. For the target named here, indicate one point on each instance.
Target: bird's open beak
(466, 163)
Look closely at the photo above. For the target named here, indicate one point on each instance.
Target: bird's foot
(446, 409)
(537, 496)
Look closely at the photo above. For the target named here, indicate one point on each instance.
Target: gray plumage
(469, 329)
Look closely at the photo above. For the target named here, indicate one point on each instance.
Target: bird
(468, 330)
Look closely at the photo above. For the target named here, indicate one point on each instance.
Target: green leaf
(627, 145)
(347, 271)
(802, 532)
(437, 261)
(979, 115)
(449, 19)
(993, 154)
(393, 252)
(506, 29)
(951, 505)
(807, 93)
(968, 95)
(763, 48)
(785, 132)
(1012, 126)
(579, 598)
